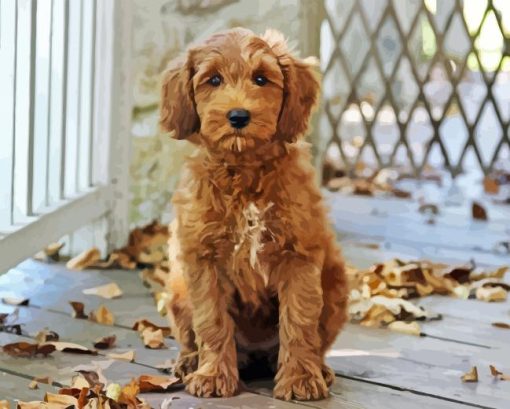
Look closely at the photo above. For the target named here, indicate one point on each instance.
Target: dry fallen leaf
(410, 328)
(491, 294)
(142, 324)
(86, 259)
(490, 185)
(117, 259)
(31, 405)
(65, 400)
(108, 291)
(79, 382)
(78, 309)
(502, 325)
(471, 376)
(156, 383)
(72, 348)
(494, 371)
(27, 350)
(128, 394)
(46, 336)
(34, 384)
(153, 339)
(498, 374)
(51, 252)
(161, 298)
(93, 378)
(105, 342)
(478, 212)
(102, 316)
(128, 356)
(15, 301)
(429, 208)
(8, 322)
(113, 391)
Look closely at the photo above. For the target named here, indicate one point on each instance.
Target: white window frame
(111, 119)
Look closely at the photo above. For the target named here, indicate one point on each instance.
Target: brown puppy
(254, 265)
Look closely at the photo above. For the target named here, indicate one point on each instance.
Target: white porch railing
(65, 112)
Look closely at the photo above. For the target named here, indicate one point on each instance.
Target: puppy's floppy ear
(177, 109)
(301, 88)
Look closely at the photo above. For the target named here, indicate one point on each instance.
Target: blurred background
(417, 86)
(415, 104)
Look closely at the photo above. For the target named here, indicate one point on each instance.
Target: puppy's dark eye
(215, 80)
(260, 80)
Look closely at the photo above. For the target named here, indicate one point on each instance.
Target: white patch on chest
(252, 228)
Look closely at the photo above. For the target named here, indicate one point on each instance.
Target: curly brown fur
(254, 264)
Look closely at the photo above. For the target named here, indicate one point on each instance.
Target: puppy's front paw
(300, 381)
(328, 374)
(185, 365)
(220, 385)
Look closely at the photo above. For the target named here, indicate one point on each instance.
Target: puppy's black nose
(238, 118)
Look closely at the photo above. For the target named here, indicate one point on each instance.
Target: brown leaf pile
(380, 295)
(84, 260)
(147, 247)
(88, 391)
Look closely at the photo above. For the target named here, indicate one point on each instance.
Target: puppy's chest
(250, 244)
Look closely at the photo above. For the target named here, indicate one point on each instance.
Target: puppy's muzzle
(238, 118)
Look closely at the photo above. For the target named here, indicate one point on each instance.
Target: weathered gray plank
(405, 225)
(245, 400)
(52, 286)
(33, 278)
(85, 332)
(464, 330)
(470, 310)
(408, 210)
(61, 366)
(423, 365)
(360, 394)
(14, 388)
(357, 251)
(371, 396)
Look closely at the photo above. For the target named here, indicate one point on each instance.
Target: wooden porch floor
(375, 368)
